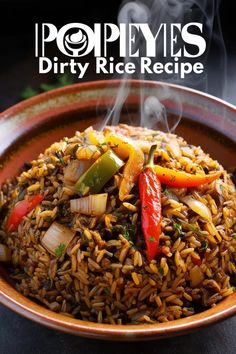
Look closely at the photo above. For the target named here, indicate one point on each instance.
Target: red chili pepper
(20, 210)
(150, 195)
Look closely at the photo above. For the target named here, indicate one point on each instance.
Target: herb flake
(60, 250)
(204, 245)
(62, 160)
(195, 229)
(151, 239)
(106, 291)
(126, 234)
(178, 228)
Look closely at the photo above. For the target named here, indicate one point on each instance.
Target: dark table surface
(20, 335)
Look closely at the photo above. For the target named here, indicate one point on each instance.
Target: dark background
(18, 69)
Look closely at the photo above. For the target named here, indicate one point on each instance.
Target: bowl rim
(29, 309)
(102, 84)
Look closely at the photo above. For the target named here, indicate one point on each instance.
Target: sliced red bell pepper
(181, 179)
(150, 196)
(20, 210)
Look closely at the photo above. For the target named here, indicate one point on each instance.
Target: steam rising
(154, 12)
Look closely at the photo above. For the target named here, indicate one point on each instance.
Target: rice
(103, 275)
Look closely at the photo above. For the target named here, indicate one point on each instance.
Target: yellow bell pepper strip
(126, 149)
(181, 179)
(101, 171)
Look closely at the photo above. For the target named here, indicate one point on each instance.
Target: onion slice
(75, 169)
(173, 148)
(198, 207)
(94, 204)
(57, 238)
(5, 253)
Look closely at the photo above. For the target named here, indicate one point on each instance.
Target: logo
(172, 44)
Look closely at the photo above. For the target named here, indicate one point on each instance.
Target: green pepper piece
(99, 173)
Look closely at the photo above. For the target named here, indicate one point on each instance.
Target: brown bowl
(30, 126)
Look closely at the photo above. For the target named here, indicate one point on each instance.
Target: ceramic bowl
(30, 126)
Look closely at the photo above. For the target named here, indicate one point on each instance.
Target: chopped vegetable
(181, 179)
(106, 291)
(126, 233)
(126, 148)
(5, 253)
(170, 195)
(56, 238)
(20, 210)
(150, 195)
(94, 137)
(196, 276)
(94, 204)
(88, 152)
(173, 148)
(60, 250)
(204, 245)
(99, 173)
(198, 207)
(194, 228)
(75, 169)
(178, 228)
(60, 158)
(151, 239)
(161, 271)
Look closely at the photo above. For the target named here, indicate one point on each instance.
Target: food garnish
(57, 238)
(60, 250)
(150, 195)
(127, 149)
(20, 210)
(94, 204)
(181, 179)
(101, 171)
(198, 207)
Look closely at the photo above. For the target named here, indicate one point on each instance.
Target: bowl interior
(31, 126)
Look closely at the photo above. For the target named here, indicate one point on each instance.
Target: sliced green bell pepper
(92, 181)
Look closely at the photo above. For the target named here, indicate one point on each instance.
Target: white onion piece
(5, 253)
(144, 145)
(57, 238)
(94, 204)
(173, 148)
(170, 195)
(75, 169)
(198, 207)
